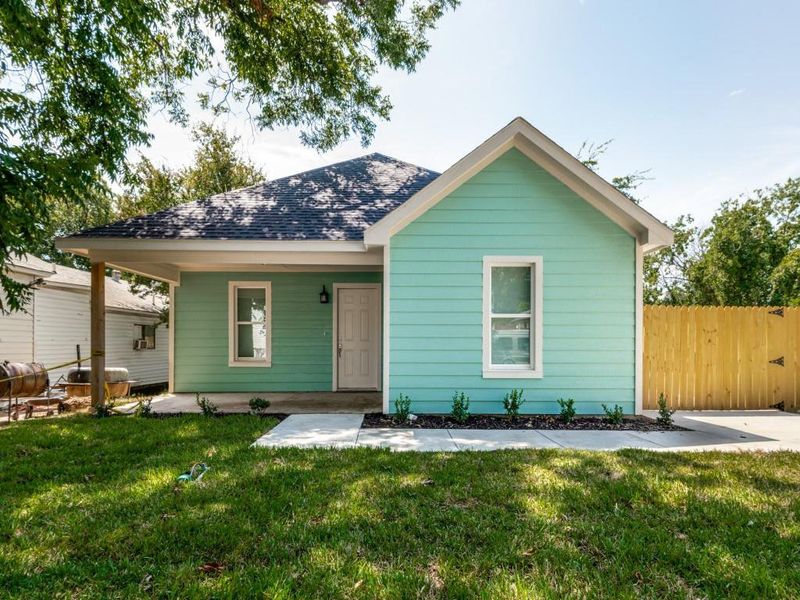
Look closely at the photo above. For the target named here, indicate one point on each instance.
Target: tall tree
(216, 167)
(665, 271)
(78, 79)
(748, 255)
(740, 251)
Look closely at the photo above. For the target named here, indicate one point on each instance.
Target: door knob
(339, 348)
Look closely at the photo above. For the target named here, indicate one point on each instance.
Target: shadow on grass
(92, 508)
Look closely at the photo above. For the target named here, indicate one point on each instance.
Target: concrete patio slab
(680, 440)
(496, 439)
(280, 402)
(313, 431)
(400, 440)
(596, 440)
(750, 431)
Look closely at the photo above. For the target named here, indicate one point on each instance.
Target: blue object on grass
(194, 474)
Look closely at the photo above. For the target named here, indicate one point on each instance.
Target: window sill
(512, 374)
(254, 364)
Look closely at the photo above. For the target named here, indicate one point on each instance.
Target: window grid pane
(251, 305)
(511, 341)
(511, 290)
(251, 323)
(251, 341)
(511, 313)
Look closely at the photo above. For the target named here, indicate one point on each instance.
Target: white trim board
(491, 371)
(334, 341)
(171, 341)
(386, 338)
(651, 233)
(77, 244)
(233, 361)
(638, 345)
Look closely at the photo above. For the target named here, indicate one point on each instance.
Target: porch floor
(281, 402)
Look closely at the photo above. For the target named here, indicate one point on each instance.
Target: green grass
(90, 508)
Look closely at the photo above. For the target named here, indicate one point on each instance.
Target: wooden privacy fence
(722, 357)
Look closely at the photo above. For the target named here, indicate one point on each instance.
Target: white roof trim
(651, 233)
(82, 245)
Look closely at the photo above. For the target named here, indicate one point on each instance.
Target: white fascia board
(205, 257)
(543, 151)
(81, 245)
(25, 270)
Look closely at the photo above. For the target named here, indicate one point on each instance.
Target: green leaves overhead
(748, 256)
(79, 78)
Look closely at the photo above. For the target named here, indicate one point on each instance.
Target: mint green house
(517, 267)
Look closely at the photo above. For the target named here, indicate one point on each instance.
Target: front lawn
(90, 508)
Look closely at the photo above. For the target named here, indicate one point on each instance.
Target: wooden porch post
(98, 333)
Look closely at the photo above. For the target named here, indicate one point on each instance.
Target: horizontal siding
(302, 343)
(62, 322)
(146, 367)
(513, 207)
(16, 331)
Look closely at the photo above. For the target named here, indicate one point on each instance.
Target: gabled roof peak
(651, 233)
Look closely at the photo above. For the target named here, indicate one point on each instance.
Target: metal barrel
(22, 379)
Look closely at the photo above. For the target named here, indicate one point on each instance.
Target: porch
(280, 402)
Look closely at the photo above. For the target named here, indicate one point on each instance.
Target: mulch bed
(375, 421)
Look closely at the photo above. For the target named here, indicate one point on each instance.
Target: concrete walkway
(712, 430)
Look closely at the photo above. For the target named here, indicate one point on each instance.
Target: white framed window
(249, 323)
(145, 337)
(512, 317)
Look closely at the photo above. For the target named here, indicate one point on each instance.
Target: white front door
(358, 344)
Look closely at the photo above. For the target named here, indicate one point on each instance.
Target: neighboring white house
(57, 320)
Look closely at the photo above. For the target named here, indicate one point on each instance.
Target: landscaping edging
(551, 422)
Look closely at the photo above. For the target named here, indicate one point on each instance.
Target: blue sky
(704, 94)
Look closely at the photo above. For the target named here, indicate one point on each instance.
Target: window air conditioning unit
(139, 344)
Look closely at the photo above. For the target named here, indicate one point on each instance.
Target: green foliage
(101, 411)
(666, 271)
(512, 402)
(143, 408)
(258, 405)
(567, 413)
(79, 78)
(217, 167)
(402, 408)
(614, 415)
(740, 250)
(664, 413)
(589, 154)
(748, 256)
(460, 408)
(207, 407)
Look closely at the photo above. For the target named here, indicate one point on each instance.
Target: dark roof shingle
(336, 202)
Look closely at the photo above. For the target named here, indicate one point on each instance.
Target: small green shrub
(207, 407)
(258, 405)
(664, 413)
(402, 408)
(512, 402)
(614, 415)
(567, 414)
(101, 411)
(143, 408)
(460, 409)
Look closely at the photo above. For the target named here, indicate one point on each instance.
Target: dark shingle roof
(336, 202)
